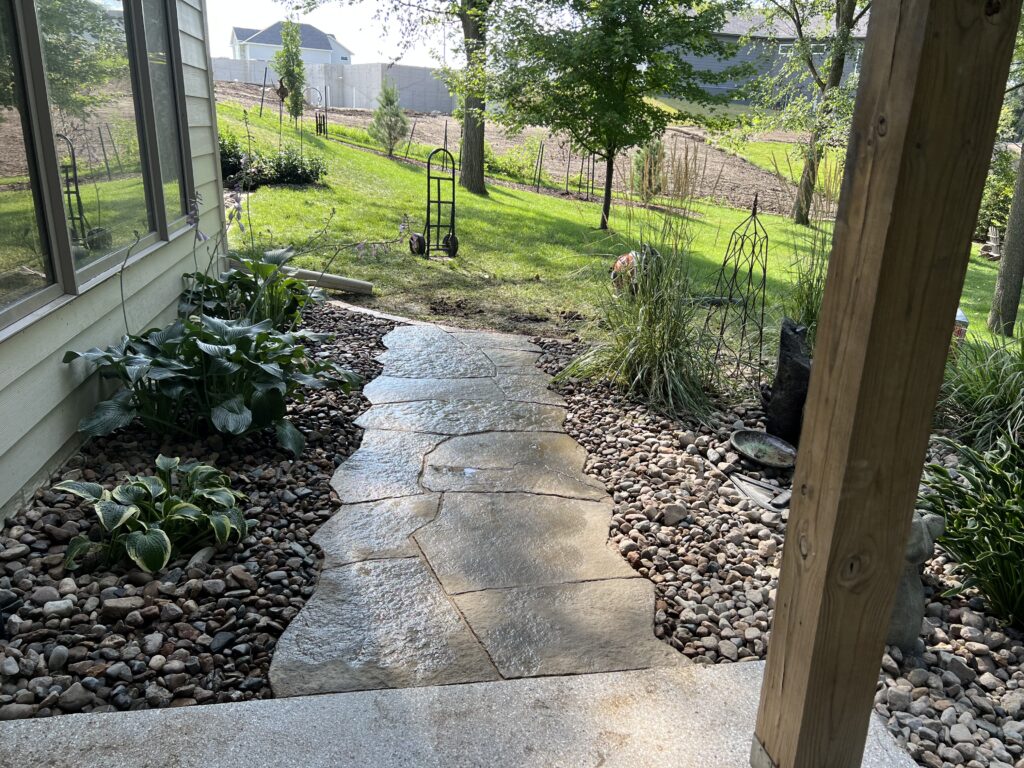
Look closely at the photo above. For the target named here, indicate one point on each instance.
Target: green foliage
(261, 290)
(649, 171)
(983, 503)
(518, 164)
(983, 392)
(203, 373)
(251, 168)
(998, 194)
(652, 343)
(151, 518)
(808, 272)
(389, 125)
(290, 68)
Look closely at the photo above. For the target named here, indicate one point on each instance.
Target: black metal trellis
(439, 235)
(737, 308)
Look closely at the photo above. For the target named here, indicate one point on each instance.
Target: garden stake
(103, 147)
(263, 91)
(113, 146)
(411, 134)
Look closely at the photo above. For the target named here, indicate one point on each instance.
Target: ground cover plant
(150, 518)
(242, 165)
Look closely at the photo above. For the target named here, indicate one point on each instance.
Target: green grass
(787, 159)
(524, 258)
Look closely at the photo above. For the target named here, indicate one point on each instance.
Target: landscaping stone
(512, 360)
(498, 540)
(909, 607)
(543, 463)
(391, 389)
(528, 388)
(568, 628)
(463, 417)
(375, 530)
(381, 468)
(492, 340)
(429, 352)
(378, 624)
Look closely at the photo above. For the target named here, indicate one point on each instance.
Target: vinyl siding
(41, 398)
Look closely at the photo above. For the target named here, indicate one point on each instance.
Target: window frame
(70, 282)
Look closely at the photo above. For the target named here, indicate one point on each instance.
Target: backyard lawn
(527, 262)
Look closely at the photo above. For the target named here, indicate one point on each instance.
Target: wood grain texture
(930, 93)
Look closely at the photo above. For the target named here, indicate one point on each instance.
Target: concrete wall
(41, 398)
(354, 85)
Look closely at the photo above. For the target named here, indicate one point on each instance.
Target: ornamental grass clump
(983, 392)
(149, 519)
(983, 504)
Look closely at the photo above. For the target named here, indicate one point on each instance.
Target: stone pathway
(470, 546)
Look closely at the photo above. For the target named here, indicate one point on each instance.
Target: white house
(318, 47)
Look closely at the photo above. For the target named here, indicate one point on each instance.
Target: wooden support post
(931, 87)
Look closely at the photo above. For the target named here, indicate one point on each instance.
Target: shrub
(653, 342)
(150, 518)
(998, 194)
(260, 290)
(519, 163)
(984, 521)
(251, 169)
(649, 170)
(204, 373)
(389, 125)
(983, 392)
(289, 166)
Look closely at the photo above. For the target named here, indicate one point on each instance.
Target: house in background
(318, 47)
(98, 171)
(765, 47)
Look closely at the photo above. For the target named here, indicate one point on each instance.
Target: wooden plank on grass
(931, 87)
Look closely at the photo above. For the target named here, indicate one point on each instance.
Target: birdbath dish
(769, 450)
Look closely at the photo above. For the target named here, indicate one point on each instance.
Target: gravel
(203, 630)
(714, 558)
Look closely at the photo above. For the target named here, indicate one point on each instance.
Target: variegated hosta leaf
(220, 496)
(167, 463)
(77, 547)
(185, 511)
(132, 493)
(221, 526)
(90, 491)
(149, 549)
(154, 485)
(113, 515)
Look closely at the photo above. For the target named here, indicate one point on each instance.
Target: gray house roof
(311, 36)
(243, 33)
(754, 24)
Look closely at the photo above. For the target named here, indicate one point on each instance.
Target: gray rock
(16, 711)
(9, 667)
(463, 417)
(42, 595)
(120, 607)
(58, 608)
(961, 734)
(909, 608)
(152, 643)
(57, 659)
(220, 641)
(75, 698)
(374, 530)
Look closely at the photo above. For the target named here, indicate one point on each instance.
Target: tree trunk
(471, 174)
(808, 181)
(1006, 300)
(609, 173)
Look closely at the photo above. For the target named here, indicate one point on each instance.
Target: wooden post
(931, 87)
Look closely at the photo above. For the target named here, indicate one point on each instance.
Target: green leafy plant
(808, 272)
(983, 391)
(998, 194)
(290, 166)
(262, 289)
(204, 373)
(250, 168)
(519, 163)
(649, 170)
(983, 503)
(389, 125)
(151, 518)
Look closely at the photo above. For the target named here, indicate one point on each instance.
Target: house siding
(41, 398)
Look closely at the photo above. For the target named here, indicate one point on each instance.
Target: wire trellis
(736, 311)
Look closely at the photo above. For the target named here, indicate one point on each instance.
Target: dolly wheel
(451, 244)
(418, 244)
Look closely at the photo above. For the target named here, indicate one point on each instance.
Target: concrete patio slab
(387, 464)
(497, 540)
(463, 417)
(530, 462)
(689, 717)
(377, 624)
(375, 530)
(569, 629)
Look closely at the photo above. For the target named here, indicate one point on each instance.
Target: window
(92, 142)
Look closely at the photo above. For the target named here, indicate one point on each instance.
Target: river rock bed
(714, 558)
(202, 630)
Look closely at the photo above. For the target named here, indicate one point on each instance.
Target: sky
(353, 26)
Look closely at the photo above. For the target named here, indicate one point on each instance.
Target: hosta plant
(983, 503)
(203, 374)
(151, 518)
(262, 289)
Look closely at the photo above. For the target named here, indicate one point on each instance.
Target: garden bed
(715, 557)
(199, 631)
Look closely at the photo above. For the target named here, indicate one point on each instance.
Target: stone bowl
(769, 450)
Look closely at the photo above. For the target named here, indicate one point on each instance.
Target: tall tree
(587, 68)
(290, 68)
(808, 91)
(410, 18)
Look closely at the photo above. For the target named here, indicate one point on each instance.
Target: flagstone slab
(499, 540)
(428, 362)
(528, 388)
(569, 629)
(377, 624)
(495, 340)
(463, 417)
(393, 389)
(375, 530)
(512, 360)
(387, 464)
(530, 462)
